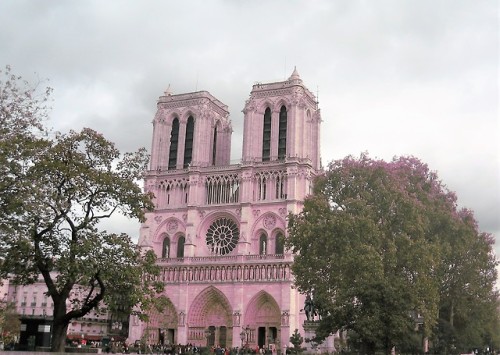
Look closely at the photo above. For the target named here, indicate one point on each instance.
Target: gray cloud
(393, 77)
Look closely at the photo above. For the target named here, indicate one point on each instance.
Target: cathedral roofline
(196, 95)
(293, 81)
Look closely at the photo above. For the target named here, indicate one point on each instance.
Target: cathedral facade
(218, 229)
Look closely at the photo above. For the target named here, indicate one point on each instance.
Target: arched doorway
(161, 327)
(262, 322)
(210, 319)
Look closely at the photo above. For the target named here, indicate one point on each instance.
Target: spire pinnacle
(168, 92)
(295, 75)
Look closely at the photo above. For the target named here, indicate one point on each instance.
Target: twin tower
(219, 229)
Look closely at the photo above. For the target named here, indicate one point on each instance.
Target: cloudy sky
(393, 77)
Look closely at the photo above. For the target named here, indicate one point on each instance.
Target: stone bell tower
(190, 129)
(282, 120)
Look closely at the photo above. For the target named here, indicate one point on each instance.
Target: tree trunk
(59, 327)
(59, 331)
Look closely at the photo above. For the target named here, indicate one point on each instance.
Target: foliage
(296, 340)
(375, 245)
(64, 187)
(23, 111)
(10, 325)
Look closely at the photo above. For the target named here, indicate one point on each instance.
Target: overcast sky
(394, 77)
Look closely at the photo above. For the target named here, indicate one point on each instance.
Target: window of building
(282, 133)
(165, 252)
(174, 142)
(188, 145)
(214, 149)
(180, 247)
(280, 244)
(263, 244)
(266, 138)
(222, 236)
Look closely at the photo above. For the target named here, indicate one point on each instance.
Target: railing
(227, 273)
(225, 259)
(234, 164)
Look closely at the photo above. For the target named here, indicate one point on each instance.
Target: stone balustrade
(226, 269)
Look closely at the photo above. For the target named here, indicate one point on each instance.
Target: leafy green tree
(23, 111)
(10, 325)
(371, 244)
(64, 187)
(468, 310)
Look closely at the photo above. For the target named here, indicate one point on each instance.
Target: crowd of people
(189, 349)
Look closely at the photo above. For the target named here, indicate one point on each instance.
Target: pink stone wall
(216, 227)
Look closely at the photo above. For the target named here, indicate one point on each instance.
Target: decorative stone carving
(269, 221)
(285, 318)
(172, 226)
(184, 217)
(158, 219)
(236, 318)
(282, 211)
(201, 214)
(249, 106)
(256, 213)
(182, 318)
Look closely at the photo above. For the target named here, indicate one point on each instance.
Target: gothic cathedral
(218, 228)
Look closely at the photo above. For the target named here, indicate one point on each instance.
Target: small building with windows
(219, 228)
(35, 311)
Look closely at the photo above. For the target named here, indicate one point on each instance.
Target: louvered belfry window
(266, 138)
(174, 143)
(188, 146)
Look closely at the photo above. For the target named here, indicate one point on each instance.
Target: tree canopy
(384, 250)
(55, 189)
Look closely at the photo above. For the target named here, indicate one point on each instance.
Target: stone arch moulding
(262, 309)
(263, 105)
(175, 113)
(165, 319)
(210, 308)
(211, 217)
(189, 112)
(170, 226)
(265, 222)
(259, 232)
(282, 102)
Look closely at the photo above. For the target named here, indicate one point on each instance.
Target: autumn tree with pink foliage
(390, 259)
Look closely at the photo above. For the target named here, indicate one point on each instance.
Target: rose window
(222, 236)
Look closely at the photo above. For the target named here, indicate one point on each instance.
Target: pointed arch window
(165, 250)
(266, 136)
(263, 244)
(214, 149)
(282, 133)
(180, 246)
(280, 244)
(188, 145)
(174, 143)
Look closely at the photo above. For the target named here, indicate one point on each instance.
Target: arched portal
(161, 327)
(210, 319)
(262, 321)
